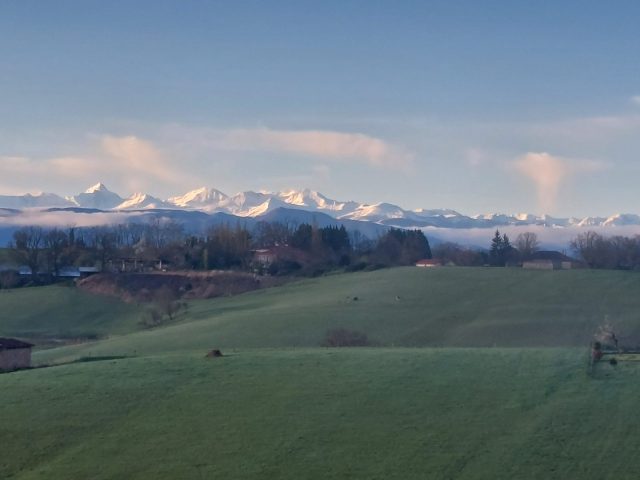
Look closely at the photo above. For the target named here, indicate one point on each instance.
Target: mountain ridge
(255, 204)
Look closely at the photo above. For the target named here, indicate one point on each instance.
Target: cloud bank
(323, 145)
(328, 145)
(130, 161)
(548, 172)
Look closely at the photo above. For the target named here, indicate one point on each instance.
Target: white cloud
(22, 174)
(325, 145)
(127, 161)
(548, 172)
(328, 145)
(139, 161)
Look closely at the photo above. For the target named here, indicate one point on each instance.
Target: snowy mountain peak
(36, 200)
(200, 198)
(253, 204)
(310, 199)
(98, 187)
(303, 198)
(139, 201)
(98, 196)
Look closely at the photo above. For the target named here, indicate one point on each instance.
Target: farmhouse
(538, 265)
(265, 256)
(14, 354)
(280, 253)
(133, 265)
(429, 263)
(549, 260)
(66, 271)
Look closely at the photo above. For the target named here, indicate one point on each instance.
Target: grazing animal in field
(214, 354)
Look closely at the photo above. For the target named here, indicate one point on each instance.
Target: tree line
(501, 251)
(590, 248)
(309, 249)
(615, 252)
(303, 249)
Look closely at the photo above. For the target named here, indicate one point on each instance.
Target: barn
(549, 260)
(14, 354)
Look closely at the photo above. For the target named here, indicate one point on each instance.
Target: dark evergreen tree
(496, 252)
(302, 238)
(506, 245)
(402, 247)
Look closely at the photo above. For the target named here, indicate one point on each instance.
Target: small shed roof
(552, 255)
(12, 343)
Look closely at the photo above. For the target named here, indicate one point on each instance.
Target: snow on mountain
(376, 212)
(244, 202)
(33, 201)
(98, 196)
(525, 217)
(98, 187)
(142, 201)
(591, 221)
(267, 206)
(255, 204)
(208, 199)
(622, 219)
(435, 212)
(310, 199)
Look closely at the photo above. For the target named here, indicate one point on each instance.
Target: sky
(492, 106)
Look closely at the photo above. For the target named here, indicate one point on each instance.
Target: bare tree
(102, 241)
(55, 242)
(527, 244)
(26, 247)
(588, 246)
(166, 298)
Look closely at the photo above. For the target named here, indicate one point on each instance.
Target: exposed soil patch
(143, 287)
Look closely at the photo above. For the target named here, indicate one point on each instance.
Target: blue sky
(478, 106)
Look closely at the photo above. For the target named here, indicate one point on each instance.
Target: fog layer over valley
(204, 207)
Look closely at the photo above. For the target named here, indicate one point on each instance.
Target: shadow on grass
(103, 358)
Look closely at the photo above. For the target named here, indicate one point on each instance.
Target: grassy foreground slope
(469, 307)
(349, 413)
(63, 312)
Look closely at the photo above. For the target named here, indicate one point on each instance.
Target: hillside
(318, 414)
(272, 407)
(64, 313)
(463, 307)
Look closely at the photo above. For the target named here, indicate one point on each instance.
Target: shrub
(284, 267)
(341, 337)
(151, 318)
(356, 267)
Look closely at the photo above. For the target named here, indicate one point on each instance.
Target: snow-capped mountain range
(254, 204)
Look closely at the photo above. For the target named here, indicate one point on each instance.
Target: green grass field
(63, 312)
(278, 406)
(466, 307)
(314, 413)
